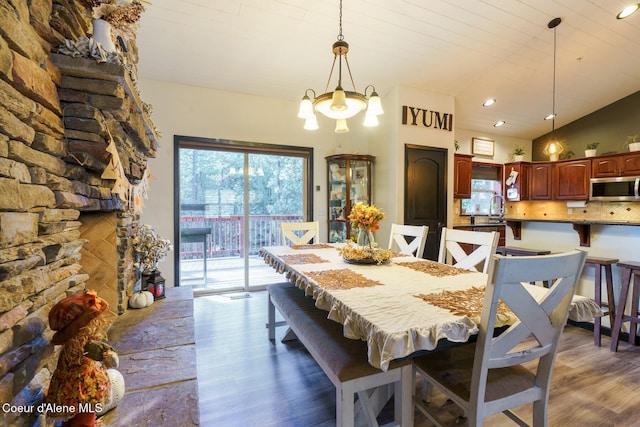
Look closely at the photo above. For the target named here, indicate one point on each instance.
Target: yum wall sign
(414, 116)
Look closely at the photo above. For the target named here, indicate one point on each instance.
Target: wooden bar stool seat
(630, 269)
(516, 251)
(601, 264)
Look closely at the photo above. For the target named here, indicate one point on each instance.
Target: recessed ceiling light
(499, 123)
(550, 116)
(629, 10)
(488, 102)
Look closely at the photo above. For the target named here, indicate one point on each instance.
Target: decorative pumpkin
(141, 299)
(117, 391)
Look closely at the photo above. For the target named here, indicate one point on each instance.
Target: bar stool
(629, 269)
(602, 264)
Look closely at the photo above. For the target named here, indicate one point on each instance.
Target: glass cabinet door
(349, 182)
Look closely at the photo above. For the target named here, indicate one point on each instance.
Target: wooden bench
(343, 360)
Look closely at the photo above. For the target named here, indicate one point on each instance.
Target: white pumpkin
(141, 299)
(116, 394)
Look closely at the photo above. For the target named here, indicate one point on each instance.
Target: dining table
(401, 307)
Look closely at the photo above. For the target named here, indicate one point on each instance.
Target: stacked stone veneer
(57, 115)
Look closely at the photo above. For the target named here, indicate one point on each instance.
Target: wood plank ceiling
(470, 49)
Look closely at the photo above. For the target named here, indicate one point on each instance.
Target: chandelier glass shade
(340, 104)
(351, 104)
(553, 149)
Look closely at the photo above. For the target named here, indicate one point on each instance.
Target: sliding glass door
(233, 197)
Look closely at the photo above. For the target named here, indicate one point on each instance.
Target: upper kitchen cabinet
(625, 164)
(462, 176)
(571, 179)
(541, 181)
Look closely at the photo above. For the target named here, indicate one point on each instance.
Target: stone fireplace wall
(64, 225)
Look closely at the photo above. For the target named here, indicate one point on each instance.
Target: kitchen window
(486, 182)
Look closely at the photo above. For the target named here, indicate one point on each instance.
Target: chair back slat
(417, 234)
(479, 246)
(300, 233)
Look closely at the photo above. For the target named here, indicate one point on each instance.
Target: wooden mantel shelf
(583, 228)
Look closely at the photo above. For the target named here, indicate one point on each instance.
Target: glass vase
(365, 237)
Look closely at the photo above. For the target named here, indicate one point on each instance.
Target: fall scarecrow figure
(81, 386)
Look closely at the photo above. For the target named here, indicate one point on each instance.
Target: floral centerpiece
(149, 247)
(365, 219)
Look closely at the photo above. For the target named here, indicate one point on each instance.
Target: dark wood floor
(245, 380)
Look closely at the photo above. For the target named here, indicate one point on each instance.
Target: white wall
(504, 145)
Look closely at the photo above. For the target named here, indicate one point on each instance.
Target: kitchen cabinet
(462, 176)
(625, 164)
(349, 181)
(541, 181)
(519, 189)
(630, 164)
(571, 179)
(603, 167)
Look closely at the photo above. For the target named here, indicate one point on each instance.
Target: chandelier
(340, 104)
(554, 147)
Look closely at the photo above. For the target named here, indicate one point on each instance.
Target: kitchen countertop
(581, 226)
(571, 221)
(480, 224)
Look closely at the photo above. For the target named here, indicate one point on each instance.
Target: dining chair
(398, 239)
(466, 249)
(300, 233)
(488, 377)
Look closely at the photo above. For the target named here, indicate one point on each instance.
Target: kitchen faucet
(501, 211)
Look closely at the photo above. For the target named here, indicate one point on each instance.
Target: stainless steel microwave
(622, 188)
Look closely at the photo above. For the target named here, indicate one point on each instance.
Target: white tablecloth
(390, 317)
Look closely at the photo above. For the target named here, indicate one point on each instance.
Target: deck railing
(227, 234)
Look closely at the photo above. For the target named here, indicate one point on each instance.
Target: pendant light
(340, 104)
(553, 148)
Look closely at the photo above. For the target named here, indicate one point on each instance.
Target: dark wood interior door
(425, 192)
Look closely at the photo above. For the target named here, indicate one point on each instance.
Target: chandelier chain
(340, 36)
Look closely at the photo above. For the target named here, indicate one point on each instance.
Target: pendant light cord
(553, 105)
(554, 24)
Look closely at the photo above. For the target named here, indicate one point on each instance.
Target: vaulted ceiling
(469, 49)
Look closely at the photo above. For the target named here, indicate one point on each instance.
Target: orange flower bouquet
(366, 216)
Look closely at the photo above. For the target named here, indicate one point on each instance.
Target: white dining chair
(300, 233)
(488, 377)
(417, 235)
(466, 249)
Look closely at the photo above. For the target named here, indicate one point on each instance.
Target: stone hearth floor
(157, 351)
